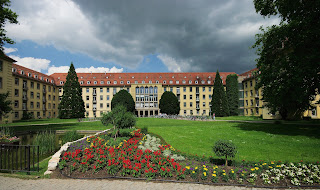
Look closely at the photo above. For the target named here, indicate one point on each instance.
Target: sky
(135, 36)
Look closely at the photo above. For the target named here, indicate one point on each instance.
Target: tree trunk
(226, 161)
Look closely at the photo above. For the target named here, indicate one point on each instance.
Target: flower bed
(141, 156)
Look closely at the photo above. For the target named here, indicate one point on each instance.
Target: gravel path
(7, 183)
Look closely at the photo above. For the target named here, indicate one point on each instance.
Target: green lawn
(39, 121)
(95, 125)
(240, 118)
(255, 141)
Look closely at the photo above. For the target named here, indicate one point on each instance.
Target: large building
(38, 95)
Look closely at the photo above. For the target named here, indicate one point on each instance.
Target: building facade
(37, 94)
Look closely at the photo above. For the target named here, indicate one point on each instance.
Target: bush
(225, 148)
(46, 141)
(70, 136)
(126, 132)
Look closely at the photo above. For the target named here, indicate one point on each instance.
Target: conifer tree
(232, 92)
(71, 105)
(219, 100)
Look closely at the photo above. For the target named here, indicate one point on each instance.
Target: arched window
(147, 90)
(137, 90)
(141, 90)
(155, 90)
(151, 90)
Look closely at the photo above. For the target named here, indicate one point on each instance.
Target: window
(203, 97)
(209, 89)
(150, 82)
(128, 82)
(157, 82)
(16, 103)
(87, 97)
(54, 106)
(16, 81)
(87, 89)
(108, 105)
(204, 104)
(60, 90)
(54, 98)
(49, 97)
(38, 104)
(61, 82)
(0, 82)
(16, 92)
(88, 82)
(184, 97)
(121, 82)
(190, 96)
(108, 90)
(250, 83)
(32, 84)
(1, 67)
(190, 82)
(87, 105)
(183, 82)
(16, 115)
(210, 96)
(101, 105)
(165, 89)
(38, 95)
(203, 89)
(101, 97)
(251, 93)
(81, 82)
(164, 82)
(101, 89)
(171, 89)
(185, 111)
(204, 112)
(108, 82)
(191, 104)
(38, 86)
(190, 89)
(95, 82)
(114, 82)
(31, 105)
(184, 104)
(114, 90)
(102, 82)
(108, 97)
(246, 102)
(196, 82)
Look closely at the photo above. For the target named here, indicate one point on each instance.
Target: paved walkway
(7, 183)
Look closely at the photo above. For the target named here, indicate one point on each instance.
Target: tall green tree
(169, 103)
(123, 98)
(232, 91)
(71, 105)
(289, 56)
(5, 105)
(6, 15)
(219, 104)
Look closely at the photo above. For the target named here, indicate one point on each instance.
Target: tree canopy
(71, 105)
(232, 91)
(6, 15)
(169, 103)
(123, 98)
(289, 56)
(219, 100)
(120, 118)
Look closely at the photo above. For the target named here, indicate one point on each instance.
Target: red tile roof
(250, 74)
(31, 74)
(121, 79)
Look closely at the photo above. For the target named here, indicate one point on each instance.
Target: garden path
(7, 183)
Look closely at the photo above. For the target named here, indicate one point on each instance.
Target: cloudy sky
(135, 36)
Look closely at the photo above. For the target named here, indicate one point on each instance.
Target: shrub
(144, 130)
(126, 132)
(225, 148)
(70, 136)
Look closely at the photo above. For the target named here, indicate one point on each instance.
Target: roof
(126, 79)
(7, 58)
(31, 74)
(250, 74)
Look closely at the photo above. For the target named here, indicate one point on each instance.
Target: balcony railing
(24, 87)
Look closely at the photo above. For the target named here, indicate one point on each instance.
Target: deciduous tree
(169, 103)
(123, 98)
(289, 56)
(6, 15)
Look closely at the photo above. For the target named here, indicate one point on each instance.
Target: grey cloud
(214, 34)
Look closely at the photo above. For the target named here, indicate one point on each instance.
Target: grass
(95, 125)
(255, 141)
(39, 121)
(240, 118)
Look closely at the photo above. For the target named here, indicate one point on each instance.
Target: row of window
(246, 84)
(204, 112)
(25, 85)
(197, 104)
(147, 90)
(251, 103)
(24, 95)
(24, 105)
(185, 89)
(251, 93)
(144, 82)
(256, 111)
(94, 98)
(197, 97)
(95, 106)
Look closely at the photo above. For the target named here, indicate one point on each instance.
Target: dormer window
(121, 82)
(81, 77)
(164, 82)
(95, 82)
(102, 82)
(157, 82)
(196, 82)
(108, 82)
(94, 77)
(88, 82)
(143, 82)
(29, 75)
(36, 76)
(61, 82)
(190, 82)
(58, 78)
(14, 70)
(171, 82)
(177, 82)
(52, 81)
(41, 78)
(128, 82)
(22, 72)
(47, 80)
(135, 82)
(81, 82)
(183, 82)
(202, 82)
(132, 77)
(114, 82)
(150, 82)
(209, 82)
